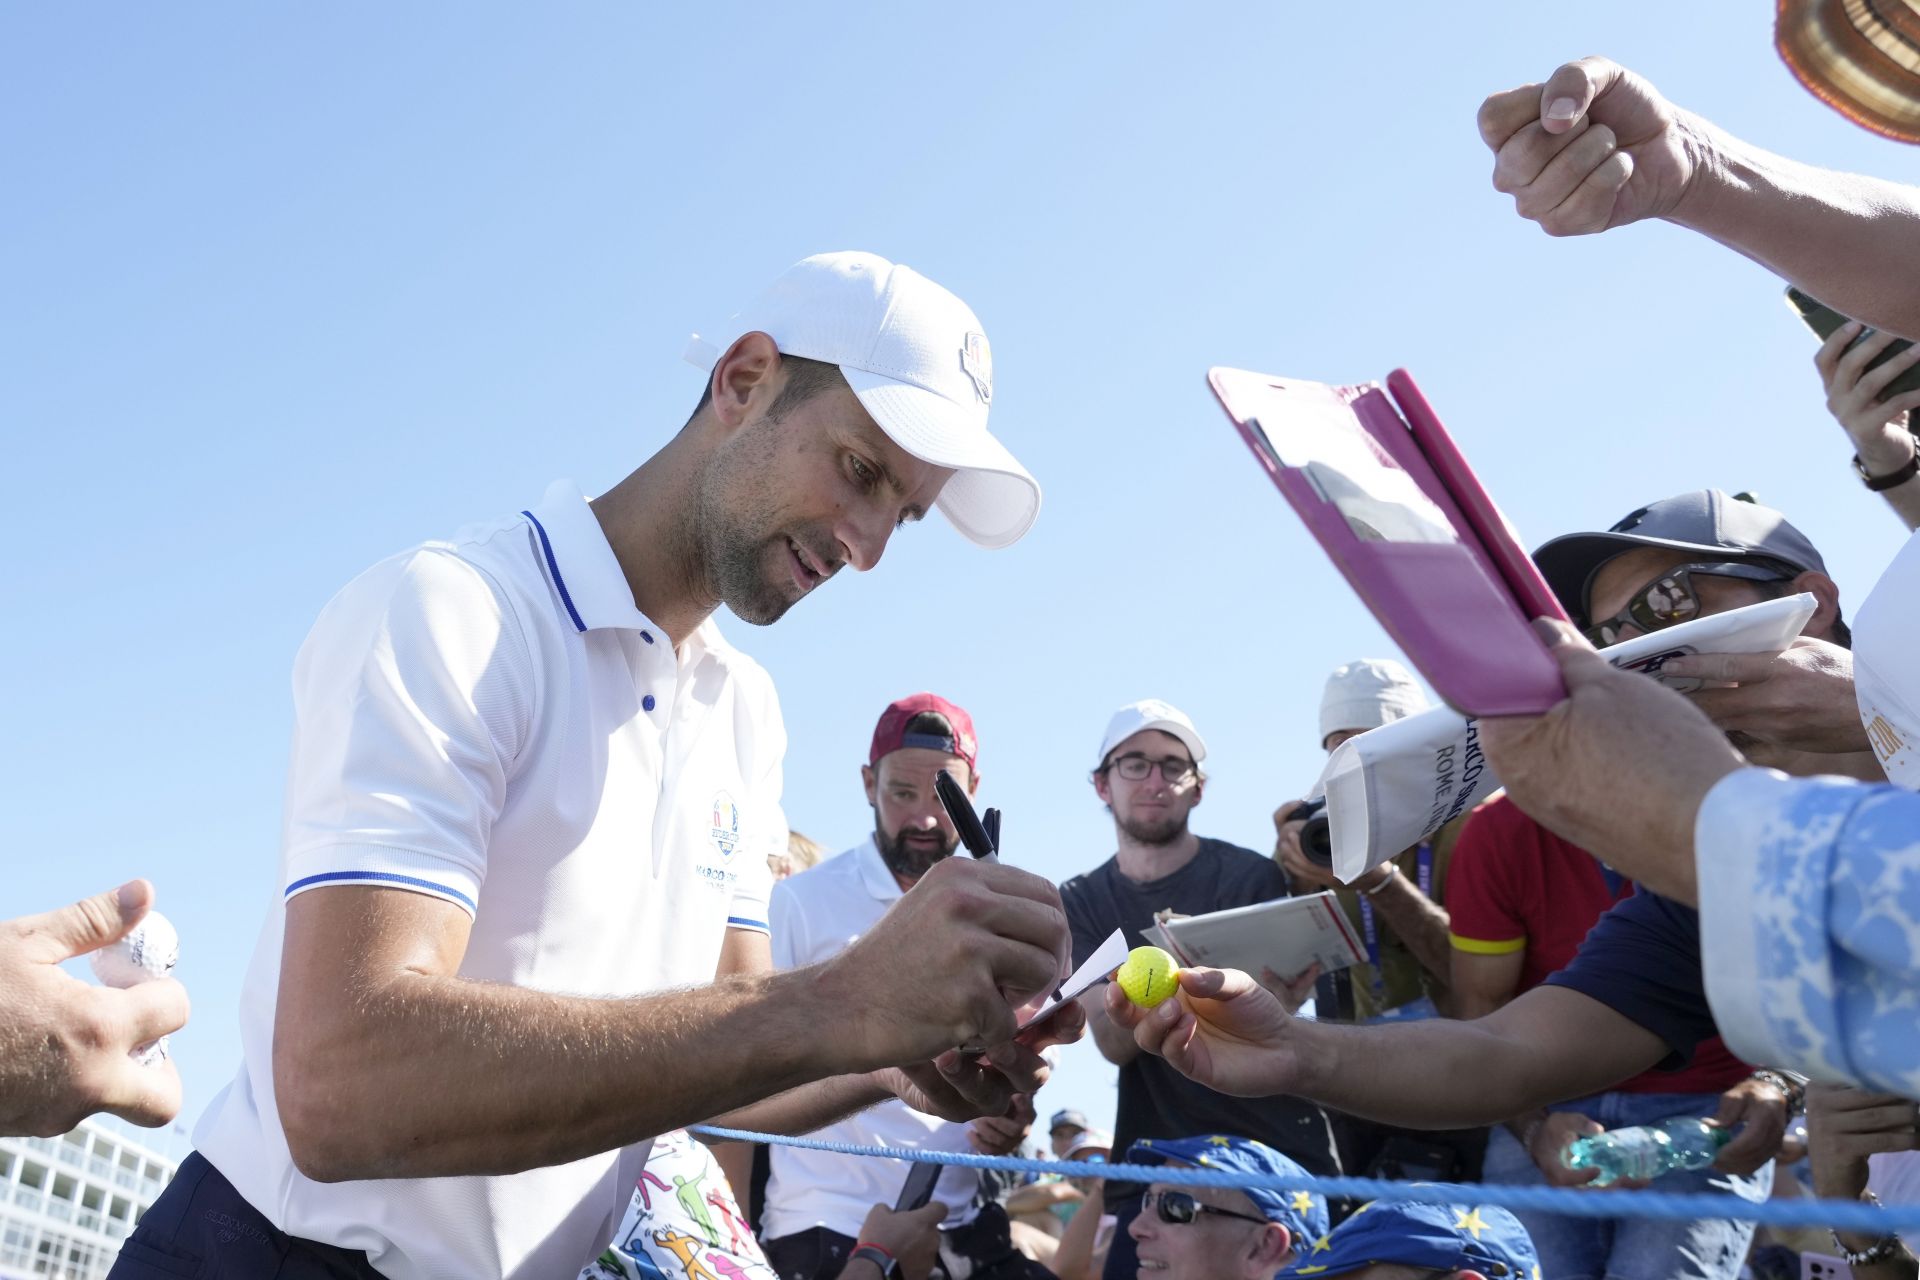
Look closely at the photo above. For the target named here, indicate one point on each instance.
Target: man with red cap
(816, 1201)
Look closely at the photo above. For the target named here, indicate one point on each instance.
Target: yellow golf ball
(1148, 976)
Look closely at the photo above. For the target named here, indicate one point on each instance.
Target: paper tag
(1107, 957)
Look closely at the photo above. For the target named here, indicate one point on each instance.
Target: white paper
(1314, 430)
(1107, 957)
(1286, 935)
(1391, 787)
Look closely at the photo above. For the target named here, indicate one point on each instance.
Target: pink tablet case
(1459, 610)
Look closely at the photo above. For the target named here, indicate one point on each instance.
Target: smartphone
(1818, 1266)
(1823, 320)
(919, 1186)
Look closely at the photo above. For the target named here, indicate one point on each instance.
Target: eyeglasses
(1672, 598)
(1180, 1208)
(1135, 768)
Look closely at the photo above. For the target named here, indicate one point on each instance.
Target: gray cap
(1367, 694)
(1068, 1119)
(1706, 520)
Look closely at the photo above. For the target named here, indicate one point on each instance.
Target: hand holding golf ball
(69, 1047)
(1148, 976)
(149, 950)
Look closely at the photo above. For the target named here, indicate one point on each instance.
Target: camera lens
(1316, 840)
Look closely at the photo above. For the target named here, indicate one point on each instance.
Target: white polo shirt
(1886, 675)
(492, 722)
(816, 915)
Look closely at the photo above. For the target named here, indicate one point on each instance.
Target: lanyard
(1370, 930)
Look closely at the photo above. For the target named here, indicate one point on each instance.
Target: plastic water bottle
(1647, 1151)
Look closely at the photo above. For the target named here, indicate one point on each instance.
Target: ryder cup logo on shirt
(724, 832)
(726, 824)
(977, 359)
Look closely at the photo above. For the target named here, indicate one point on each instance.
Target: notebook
(1385, 491)
(1286, 935)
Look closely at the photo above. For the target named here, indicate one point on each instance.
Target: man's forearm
(1845, 238)
(1418, 921)
(463, 1077)
(1442, 1074)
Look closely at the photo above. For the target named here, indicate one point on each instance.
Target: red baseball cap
(890, 735)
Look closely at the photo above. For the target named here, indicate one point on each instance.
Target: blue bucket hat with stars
(1456, 1237)
(1302, 1213)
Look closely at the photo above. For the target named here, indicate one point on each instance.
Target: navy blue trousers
(201, 1228)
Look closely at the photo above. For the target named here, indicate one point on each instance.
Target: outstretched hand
(1756, 1110)
(1800, 698)
(953, 963)
(1846, 1127)
(1876, 426)
(1619, 767)
(1221, 1029)
(1592, 148)
(960, 1087)
(64, 1042)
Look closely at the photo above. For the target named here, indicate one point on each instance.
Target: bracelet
(878, 1255)
(1393, 870)
(1879, 1251)
(1795, 1088)
(1895, 478)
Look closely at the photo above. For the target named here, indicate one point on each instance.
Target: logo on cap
(1631, 520)
(977, 359)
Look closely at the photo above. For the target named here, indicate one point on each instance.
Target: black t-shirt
(1156, 1101)
(1642, 960)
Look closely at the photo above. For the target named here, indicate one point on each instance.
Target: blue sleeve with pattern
(1810, 912)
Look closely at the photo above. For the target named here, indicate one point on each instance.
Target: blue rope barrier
(1847, 1215)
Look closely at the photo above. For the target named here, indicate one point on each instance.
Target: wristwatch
(1893, 479)
(879, 1257)
(1791, 1083)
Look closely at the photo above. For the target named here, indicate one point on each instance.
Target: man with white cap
(1395, 906)
(1396, 911)
(527, 766)
(1148, 775)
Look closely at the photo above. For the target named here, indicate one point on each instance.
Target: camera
(1316, 838)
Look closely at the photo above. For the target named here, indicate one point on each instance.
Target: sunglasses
(1135, 768)
(1179, 1208)
(1673, 598)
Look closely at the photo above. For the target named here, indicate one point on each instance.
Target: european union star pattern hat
(1459, 1237)
(1300, 1212)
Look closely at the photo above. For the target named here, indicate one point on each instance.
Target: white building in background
(66, 1203)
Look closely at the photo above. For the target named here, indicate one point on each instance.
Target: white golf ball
(149, 951)
(150, 1054)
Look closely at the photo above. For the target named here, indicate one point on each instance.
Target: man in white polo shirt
(531, 794)
(816, 1200)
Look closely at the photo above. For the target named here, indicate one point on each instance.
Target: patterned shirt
(1810, 920)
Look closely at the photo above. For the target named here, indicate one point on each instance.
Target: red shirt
(1514, 886)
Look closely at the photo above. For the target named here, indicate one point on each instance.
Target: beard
(742, 571)
(910, 861)
(735, 535)
(1153, 831)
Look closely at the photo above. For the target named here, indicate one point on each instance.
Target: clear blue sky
(289, 288)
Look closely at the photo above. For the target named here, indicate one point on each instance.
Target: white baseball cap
(917, 358)
(1367, 694)
(1151, 713)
